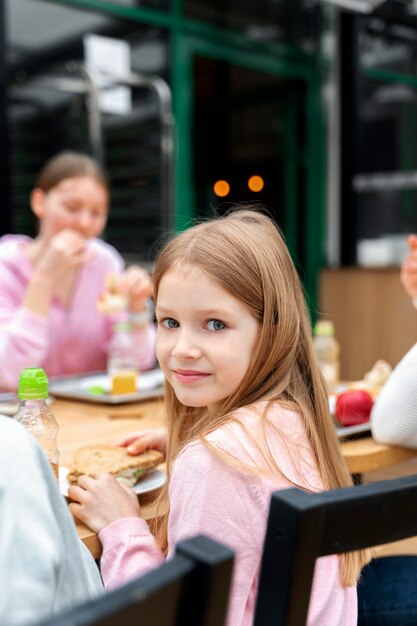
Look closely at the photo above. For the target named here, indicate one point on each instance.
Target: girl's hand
(142, 440)
(409, 268)
(136, 284)
(100, 501)
(66, 250)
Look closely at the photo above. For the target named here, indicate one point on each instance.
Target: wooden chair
(192, 588)
(304, 526)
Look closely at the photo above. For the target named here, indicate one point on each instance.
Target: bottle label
(330, 372)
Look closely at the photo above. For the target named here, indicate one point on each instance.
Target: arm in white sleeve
(44, 567)
(394, 415)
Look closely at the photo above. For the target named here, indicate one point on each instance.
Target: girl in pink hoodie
(247, 414)
(50, 285)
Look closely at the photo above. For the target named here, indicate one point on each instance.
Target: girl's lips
(190, 376)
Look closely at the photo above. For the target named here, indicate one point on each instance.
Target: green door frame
(184, 49)
(189, 38)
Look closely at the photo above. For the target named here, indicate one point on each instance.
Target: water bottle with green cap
(35, 415)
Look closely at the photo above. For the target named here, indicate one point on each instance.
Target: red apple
(353, 407)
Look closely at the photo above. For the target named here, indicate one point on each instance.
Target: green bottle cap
(33, 384)
(324, 328)
(121, 327)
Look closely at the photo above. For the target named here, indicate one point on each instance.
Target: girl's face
(80, 204)
(205, 339)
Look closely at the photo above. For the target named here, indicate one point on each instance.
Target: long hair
(245, 253)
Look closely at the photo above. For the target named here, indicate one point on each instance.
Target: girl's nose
(84, 222)
(185, 348)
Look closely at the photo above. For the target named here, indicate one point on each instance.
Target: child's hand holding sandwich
(100, 501)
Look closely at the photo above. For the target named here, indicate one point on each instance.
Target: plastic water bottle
(327, 351)
(122, 363)
(35, 415)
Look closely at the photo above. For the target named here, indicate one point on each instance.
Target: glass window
(149, 4)
(249, 142)
(49, 112)
(262, 20)
(386, 162)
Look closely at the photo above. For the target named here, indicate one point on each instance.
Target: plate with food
(139, 472)
(351, 404)
(96, 387)
(351, 409)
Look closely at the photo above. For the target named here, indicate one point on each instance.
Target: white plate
(348, 431)
(146, 380)
(154, 480)
(85, 388)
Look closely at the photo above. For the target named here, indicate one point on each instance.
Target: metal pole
(94, 118)
(5, 160)
(163, 92)
(349, 133)
(87, 87)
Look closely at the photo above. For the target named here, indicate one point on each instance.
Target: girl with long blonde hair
(247, 414)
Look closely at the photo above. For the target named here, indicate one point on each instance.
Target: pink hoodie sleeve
(23, 340)
(208, 497)
(129, 550)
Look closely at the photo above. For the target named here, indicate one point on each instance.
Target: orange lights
(221, 188)
(256, 183)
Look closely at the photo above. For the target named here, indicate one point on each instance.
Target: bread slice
(103, 459)
(112, 300)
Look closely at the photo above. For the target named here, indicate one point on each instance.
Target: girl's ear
(37, 198)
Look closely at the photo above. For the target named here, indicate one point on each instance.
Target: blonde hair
(245, 253)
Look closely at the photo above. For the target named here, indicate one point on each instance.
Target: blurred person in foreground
(50, 285)
(45, 568)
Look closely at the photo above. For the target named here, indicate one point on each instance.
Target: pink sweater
(70, 339)
(212, 497)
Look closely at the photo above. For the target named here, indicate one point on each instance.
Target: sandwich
(102, 459)
(112, 300)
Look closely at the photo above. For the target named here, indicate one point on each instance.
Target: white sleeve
(394, 415)
(44, 567)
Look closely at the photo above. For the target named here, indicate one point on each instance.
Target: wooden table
(84, 423)
(366, 455)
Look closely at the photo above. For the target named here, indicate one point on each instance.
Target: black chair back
(304, 526)
(192, 588)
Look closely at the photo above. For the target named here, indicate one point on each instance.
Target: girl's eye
(216, 325)
(169, 322)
